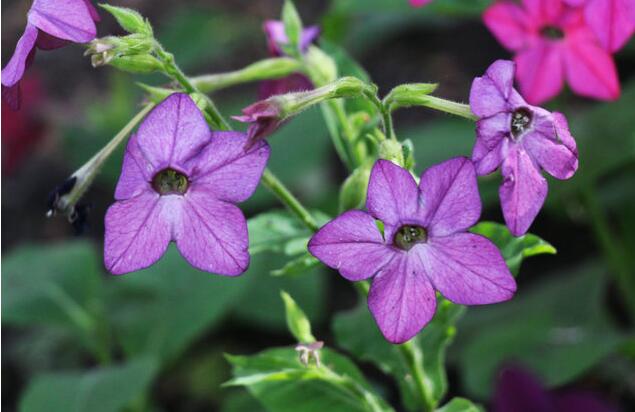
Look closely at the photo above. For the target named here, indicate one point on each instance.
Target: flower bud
(407, 95)
(321, 67)
(130, 20)
(391, 150)
(354, 189)
(136, 63)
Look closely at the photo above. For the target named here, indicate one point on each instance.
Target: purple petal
(559, 159)
(64, 19)
(352, 244)
(47, 42)
(401, 299)
(519, 391)
(309, 35)
(522, 192)
(274, 31)
(92, 10)
(226, 170)
(489, 94)
(449, 197)
(612, 21)
(392, 194)
(582, 401)
(490, 134)
(173, 133)
(212, 235)
(296, 82)
(136, 172)
(138, 231)
(14, 70)
(467, 269)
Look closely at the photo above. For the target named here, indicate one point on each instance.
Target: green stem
(611, 247)
(389, 130)
(447, 106)
(271, 182)
(414, 360)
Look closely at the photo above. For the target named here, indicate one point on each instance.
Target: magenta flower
(179, 182)
(419, 3)
(276, 39)
(553, 42)
(424, 246)
(520, 139)
(613, 21)
(50, 24)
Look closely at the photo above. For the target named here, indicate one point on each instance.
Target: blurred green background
(76, 338)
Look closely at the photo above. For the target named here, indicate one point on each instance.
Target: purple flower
(276, 39)
(424, 246)
(520, 139)
(50, 24)
(179, 182)
(517, 390)
(264, 116)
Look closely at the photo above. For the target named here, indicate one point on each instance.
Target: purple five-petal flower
(424, 247)
(50, 24)
(520, 139)
(179, 182)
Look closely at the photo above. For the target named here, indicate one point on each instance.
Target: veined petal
(449, 197)
(522, 192)
(590, 69)
(14, 70)
(486, 160)
(352, 244)
(212, 235)
(64, 19)
(490, 134)
(138, 231)
(226, 170)
(467, 269)
(136, 172)
(402, 299)
(540, 71)
(546, 145)
(173, 132)
(509, 24)
(612, 21)
(392, 193)
(489, 94)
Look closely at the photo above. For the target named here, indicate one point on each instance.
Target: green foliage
(282, 383)
(514, 249)
(297, 322)
(130, 20)
(276, 231)
(107, 389)
(292, 27)
(459, 405)
(299, 265)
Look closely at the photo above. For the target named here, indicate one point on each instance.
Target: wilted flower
(50, 24)
(264, 117)
(179, 182)
(424, 246)
(553, 42)
(520, 139)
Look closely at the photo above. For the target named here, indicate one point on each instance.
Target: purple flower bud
(265, 117)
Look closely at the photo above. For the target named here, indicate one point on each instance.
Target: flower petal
(522, 192)
(467, 269)
(138, 231)
(173, 132)
(520, 391)
(590, 69)
(546, 146)
(612, 21)
(226, 170)
(392, 193)
(212, 235)
(509, 23)
(136, 172)
(490, 134)
(402, 299)
(352, 244)
(47, 42)
(14, 70)
(449, 197)
(489, 94)
(540, 71)
(419, 3)
(64, 19)
(546, 11)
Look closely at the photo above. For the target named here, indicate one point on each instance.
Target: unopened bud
(391, 150)
(407, 95)
(354, 189)
(130, 20)
(136, 63)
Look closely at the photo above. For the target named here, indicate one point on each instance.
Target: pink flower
(50, 24)
(613, 21)
(553, 42)
(179, 182)
(419, 3)
(424, 246)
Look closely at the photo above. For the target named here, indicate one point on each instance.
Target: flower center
(521, 120)
(170, 182)
(409, 235)
(552, 33)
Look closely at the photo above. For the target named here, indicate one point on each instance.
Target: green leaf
(130, 20)
(99, 390)
(162, 309)
(459, 405)
(282, 384)
(273, 231)
(357, 333)
(292, 27)
(298, 265)
(514, 249)
(562, 322)
(297, 322)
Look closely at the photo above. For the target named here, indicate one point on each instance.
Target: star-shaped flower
(424, 247)
(50, 24)
(179, 182)
(520, 139)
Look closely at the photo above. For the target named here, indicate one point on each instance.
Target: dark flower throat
(521, 120)
(552, 33)
(409, 235)
(170, 182)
